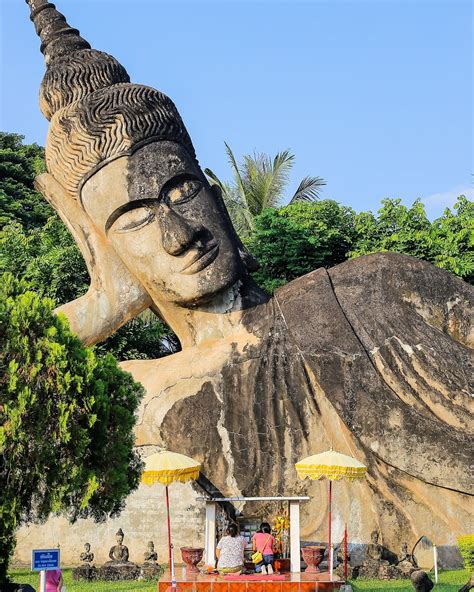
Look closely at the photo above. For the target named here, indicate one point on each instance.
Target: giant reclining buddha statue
(373, 356)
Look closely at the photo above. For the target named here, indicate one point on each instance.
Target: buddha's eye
(133, 220)
(184, 191)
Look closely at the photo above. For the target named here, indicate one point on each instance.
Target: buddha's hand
(114, 295)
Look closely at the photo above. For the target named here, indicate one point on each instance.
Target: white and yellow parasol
(333, 466)
(167, 467)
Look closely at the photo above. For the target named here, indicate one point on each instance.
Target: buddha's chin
(198, 289)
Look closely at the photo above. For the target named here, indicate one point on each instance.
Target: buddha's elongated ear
(115, 296)
(71, 213)
(248, 259)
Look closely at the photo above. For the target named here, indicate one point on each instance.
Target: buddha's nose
(177, 233)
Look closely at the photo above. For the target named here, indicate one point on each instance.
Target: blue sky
(374, 96)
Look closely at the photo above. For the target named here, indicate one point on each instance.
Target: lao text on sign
(45, 559)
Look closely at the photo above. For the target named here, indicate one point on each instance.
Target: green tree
(294, 240)
(259, 183)
(453, 239)
(395, 228)
(66, 420)
(331, 224)
(47, 257)
(447, 242)
(19, 164)
(145, 337)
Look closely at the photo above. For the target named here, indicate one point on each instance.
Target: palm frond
(257, 178)
(259, 183)
(265, 179)
(282, 164)
(309, 189)
(239, 214)
(235, 171)
(213, 177)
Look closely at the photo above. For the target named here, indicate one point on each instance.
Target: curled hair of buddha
(95, 113)
(107, 124)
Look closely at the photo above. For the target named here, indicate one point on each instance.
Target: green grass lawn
(449, 581)
(25, 576)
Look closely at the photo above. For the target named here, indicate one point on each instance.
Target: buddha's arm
(97, 315)
(114, 296)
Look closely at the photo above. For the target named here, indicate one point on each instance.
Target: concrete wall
(143, 520)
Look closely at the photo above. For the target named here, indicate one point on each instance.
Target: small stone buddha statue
(375, 565)
(374, 550)
(119, 552)
(407, 563)
(87, 556)
(150, 554)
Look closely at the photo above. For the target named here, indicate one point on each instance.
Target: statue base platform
(379, 571)
(352, 572)
(84, 572)
(114, 572)
(150, 572)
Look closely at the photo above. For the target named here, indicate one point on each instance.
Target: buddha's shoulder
(381, 289)
(391, 276)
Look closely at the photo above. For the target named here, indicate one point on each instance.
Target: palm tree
(259, 183)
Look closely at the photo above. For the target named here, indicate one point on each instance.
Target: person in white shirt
(230, 551)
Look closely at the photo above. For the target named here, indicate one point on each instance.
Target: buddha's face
(119, 539)
(166, 223)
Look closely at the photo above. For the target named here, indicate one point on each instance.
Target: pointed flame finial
(57, 37)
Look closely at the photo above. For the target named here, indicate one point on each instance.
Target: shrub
(466, 547)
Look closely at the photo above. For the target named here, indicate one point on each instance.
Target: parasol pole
(329, 523)
(345, 553)
(170, 546)
(169, 528)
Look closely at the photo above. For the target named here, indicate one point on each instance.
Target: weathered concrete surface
(143, 520)
(369, 357)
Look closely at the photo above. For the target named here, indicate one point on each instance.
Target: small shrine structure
(293, 513)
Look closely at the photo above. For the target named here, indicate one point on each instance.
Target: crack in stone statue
(367, 355)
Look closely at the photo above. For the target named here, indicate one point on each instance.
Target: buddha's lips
(201, 260)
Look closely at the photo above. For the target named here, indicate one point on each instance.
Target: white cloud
(437, 202)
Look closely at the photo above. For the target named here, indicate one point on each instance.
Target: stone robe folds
(374, 357)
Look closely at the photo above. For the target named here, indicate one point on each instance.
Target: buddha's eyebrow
(171, 183)
(126, 207)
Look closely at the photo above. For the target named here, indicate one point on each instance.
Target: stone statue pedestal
(150, 571)
(352, 572)
(85, 572)
(378, 570)
(113, 572)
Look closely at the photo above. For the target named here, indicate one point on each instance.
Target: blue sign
(44, 559)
